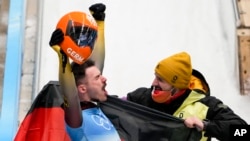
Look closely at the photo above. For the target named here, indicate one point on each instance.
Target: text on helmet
(74, 54)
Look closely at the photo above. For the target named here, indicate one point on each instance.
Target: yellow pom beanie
(176, 70)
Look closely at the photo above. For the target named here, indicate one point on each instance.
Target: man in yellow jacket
(171, 93)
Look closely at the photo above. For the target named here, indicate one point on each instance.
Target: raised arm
(73, 116)
(98, 54)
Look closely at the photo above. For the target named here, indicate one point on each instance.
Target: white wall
(142, 32)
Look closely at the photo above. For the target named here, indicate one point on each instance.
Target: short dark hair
(79, 71)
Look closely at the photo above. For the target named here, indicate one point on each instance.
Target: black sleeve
(220, 117)
(139, 95)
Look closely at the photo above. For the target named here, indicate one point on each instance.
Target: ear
(82, 88)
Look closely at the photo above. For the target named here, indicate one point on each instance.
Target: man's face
(161, 84)
(95, 84)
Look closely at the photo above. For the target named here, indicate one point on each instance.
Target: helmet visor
(80, 34)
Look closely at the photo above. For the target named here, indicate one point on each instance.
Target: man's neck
(87, 105)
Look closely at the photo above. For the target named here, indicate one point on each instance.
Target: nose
(104, 79)
(155, 82)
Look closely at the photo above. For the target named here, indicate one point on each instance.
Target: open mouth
(157, 88)
(104, 89)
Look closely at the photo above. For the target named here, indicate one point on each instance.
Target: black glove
(97, 11)
(56, 37)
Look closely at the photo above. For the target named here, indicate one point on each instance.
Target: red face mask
(166, 96)
(161, 96)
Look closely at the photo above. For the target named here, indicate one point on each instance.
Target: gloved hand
(63, 58)
(97, 10)
(56, 37)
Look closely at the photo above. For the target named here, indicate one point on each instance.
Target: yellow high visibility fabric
(191, 108)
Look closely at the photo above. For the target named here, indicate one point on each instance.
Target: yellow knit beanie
(176, 70)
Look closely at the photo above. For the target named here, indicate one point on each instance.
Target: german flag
(135, 122)
(45, 119)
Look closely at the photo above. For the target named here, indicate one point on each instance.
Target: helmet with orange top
(80, 34)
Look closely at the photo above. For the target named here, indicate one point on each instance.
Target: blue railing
(12, 71)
